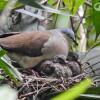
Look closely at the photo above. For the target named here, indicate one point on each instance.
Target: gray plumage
(30, 48)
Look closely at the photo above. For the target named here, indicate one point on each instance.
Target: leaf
(10, 69)
(78, 3)
(2, 52)
(91, 61)
(96, 16)
(52, 10)
(93, 90)
(51, 2)
(90, 96)
(30, 14)
(69, 4)
(7, 67)
(62, 21)
(73, 5)
(75, 91)
(3, 4)
(42, 7)
(95, 45)
(1, 77)
(18, 5)
(33, 3)
(92, 56)
(92, 93)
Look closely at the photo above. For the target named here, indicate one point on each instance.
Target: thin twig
(88, 3)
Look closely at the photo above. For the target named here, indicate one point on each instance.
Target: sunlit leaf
(69, 4)
(74, 92)
(73, 5)
(77, 4)
(3, 4)
(51, 2)
(5, 64)
(10, 69)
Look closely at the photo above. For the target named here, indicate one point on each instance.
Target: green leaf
(91, 94)
(69, 4)
(93, 90)
(96, 16)
(2, 52)
(73, 5)
(62, 21)
(7, 67)
(51, 2)
(4, 66)
(3, 4)
(33, 3)
(46, 8)
(18, 5)
(78, 3)
(52, 10)
(10, 70)
(74, 92)
(1, 77)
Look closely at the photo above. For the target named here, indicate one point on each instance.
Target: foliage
(2, 4)
(96, 16)
(60, 13)
(8, 68)
(33, 3)
(73, 5)
(74, 92)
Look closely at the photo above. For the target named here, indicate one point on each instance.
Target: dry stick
(62, 85)
(88, 3)
(71, 20)
(43, 1)
(36, 91)
(40, 90)
(27, 94)
(44, 79)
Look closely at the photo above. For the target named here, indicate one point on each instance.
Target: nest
(49, 79)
